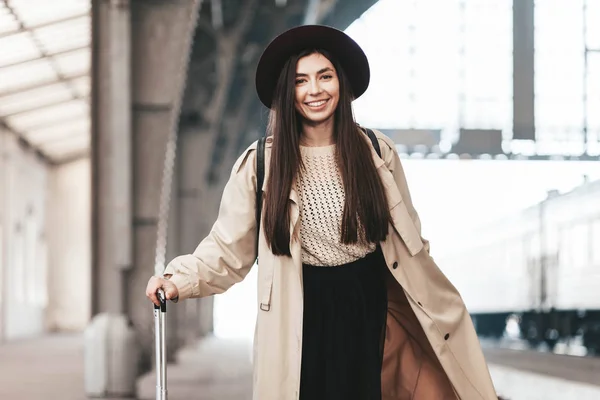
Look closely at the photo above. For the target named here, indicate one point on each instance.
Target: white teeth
(317, 103)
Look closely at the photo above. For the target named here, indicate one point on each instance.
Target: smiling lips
(317, 104)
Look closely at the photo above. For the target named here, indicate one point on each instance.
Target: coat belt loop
(265, 302)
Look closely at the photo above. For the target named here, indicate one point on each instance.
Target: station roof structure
(45, 74)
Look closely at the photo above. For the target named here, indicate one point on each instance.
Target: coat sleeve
(394, 165)
(227, 254)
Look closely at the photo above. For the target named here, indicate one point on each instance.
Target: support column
(162, 33)
(175, 320)
(191, 200)
(111, 184)
(523, 70)
(3, 230)
(184, 231)
(111, 156)
(140, 55)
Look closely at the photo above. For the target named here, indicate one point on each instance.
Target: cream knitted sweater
(322, 197)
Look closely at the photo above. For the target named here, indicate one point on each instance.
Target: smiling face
(317, 88)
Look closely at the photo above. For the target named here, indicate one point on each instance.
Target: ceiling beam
(496, 157)
(22, 28)
(43, 84)
(70, 157)
(73, 135)
(24, 142)
(41, 48)
(58, 122)
(47, 105)
(58, 53)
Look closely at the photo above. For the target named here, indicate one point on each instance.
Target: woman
(351, 305)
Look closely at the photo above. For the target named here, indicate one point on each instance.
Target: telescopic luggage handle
(160, 313)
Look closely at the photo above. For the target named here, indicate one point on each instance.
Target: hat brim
(349, 54)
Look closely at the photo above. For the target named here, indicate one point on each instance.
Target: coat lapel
(402, 221)
(391, 189)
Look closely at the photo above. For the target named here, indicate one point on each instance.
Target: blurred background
(121, 119)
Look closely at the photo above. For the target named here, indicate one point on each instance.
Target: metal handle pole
(160, 313)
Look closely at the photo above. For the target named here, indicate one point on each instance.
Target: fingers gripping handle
(160, 313)
(163, 301)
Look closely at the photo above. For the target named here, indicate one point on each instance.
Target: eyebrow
(318, 72)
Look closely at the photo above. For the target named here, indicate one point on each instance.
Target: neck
(314, 135)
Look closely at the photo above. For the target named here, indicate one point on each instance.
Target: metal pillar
(3, 229)
(161, 39)
(112, 259)
(191, 204)
(140, 54)
(111, 156)
(523, 70)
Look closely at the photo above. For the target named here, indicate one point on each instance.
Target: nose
(314, 88)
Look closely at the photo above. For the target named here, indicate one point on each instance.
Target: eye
(299, 81)
(327, 76)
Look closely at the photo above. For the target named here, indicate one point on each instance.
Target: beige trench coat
(436, 322)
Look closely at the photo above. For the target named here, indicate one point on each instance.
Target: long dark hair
(365, 205)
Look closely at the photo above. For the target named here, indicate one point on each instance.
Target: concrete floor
(46, 368)
(52, 368)
(215, 369)
(585, 370)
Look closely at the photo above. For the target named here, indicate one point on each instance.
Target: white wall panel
(69, 286)
(23, 188)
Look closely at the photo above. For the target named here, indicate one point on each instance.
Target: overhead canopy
(45, 74)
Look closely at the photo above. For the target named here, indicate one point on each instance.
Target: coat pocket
(406, 228)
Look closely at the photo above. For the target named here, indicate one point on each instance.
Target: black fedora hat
(349, 54)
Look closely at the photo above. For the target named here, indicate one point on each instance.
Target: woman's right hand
(158, 282)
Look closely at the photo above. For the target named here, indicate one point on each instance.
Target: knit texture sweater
(322, 196)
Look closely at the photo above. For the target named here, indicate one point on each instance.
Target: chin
(317, 119)
(315, 122)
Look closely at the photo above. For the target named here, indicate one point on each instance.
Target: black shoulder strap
(374, 140)
(260, 176)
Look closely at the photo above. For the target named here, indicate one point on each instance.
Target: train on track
(539, 267)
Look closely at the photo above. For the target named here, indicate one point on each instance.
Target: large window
(447, 64)
(567, 87)
(437, 64)
(592, 38)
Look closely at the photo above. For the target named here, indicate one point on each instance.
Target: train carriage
(541, 264)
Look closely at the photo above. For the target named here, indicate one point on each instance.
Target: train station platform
(52, 367)
(217, 369)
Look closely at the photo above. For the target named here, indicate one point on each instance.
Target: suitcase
(160, 314)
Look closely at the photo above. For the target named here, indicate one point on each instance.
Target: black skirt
(345, 311)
